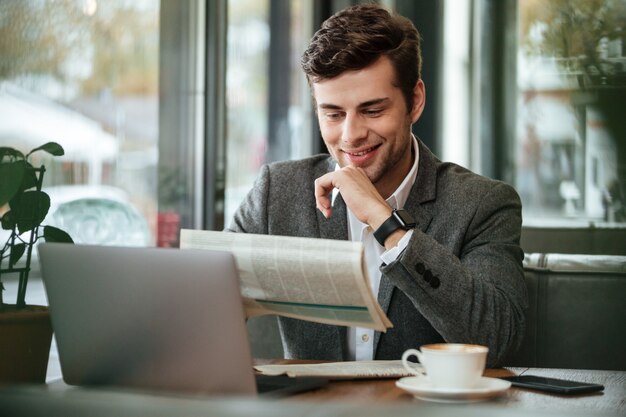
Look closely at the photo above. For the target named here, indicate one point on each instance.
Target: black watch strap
(399, 219)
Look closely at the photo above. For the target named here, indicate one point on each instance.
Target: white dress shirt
(361, 340)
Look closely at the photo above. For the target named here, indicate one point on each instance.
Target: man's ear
(419, 100)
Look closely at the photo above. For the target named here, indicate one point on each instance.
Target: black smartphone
(555, 385)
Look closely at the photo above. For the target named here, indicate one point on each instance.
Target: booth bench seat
(577, 312)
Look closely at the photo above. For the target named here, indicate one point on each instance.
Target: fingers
(323, 188)
(357, 191)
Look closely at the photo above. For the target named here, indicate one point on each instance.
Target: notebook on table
(151, 319)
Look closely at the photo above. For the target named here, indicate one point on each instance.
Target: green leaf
(52, 148)
(30, 209)
(11, 175)
(53, 234)
(30, 178)
(14, 153)
(16, 253)
(7, 221)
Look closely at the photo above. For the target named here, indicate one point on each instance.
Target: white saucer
(422, 388)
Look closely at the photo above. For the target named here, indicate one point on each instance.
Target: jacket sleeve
(478, 296)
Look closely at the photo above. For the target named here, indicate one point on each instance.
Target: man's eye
(373, 112)
(333, 116)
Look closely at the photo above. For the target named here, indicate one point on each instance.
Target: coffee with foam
(449, 365)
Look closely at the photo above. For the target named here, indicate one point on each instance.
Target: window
(85, 74)
(268, 105)
(571, 70)
(247, 84)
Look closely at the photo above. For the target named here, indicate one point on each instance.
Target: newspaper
(318, 280)
(341, 370)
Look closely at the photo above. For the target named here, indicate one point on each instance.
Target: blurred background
(168, 108)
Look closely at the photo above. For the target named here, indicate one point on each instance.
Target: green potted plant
(25, 331)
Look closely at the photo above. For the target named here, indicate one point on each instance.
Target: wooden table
(611, 400)
(356, 398)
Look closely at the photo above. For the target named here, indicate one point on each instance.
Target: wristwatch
(400, 219)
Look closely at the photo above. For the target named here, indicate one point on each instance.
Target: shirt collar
(399, 197)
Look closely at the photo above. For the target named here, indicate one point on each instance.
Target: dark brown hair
(356, 37)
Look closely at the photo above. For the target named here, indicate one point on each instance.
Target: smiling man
(441, 243)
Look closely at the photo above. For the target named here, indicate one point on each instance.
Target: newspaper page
(342, 370)
(319, 280)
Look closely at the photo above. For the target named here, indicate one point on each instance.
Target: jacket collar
(424, 189)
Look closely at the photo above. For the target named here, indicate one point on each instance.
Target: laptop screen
(148, 318)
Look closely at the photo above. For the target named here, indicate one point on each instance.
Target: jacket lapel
(335, 227)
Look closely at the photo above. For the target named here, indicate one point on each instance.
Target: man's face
(365, 123)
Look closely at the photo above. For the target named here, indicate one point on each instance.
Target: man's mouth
(362, 152)
(361, 156)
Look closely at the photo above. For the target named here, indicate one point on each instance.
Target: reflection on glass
(571, 154)
(84, 74)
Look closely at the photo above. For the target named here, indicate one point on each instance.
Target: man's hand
(357, 192)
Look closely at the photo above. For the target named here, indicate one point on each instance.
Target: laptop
(151, 319)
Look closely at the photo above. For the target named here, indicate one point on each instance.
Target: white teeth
(361, 153)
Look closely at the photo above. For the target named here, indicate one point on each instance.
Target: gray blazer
(460, 278)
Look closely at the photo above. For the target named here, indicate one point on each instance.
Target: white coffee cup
(449, 365)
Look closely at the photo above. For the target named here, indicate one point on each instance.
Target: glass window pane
(85, 74)
(268, 117)
(571, 155)
(246, 96)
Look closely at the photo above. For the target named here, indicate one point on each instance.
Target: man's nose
(354, 128)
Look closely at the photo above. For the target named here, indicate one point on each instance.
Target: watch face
(405, 218)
